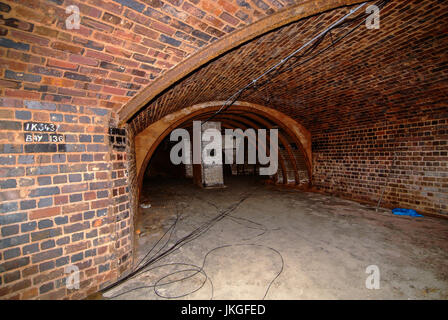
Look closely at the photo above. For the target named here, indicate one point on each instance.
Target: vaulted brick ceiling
(399, 69)
(125, 45)
(121, 46)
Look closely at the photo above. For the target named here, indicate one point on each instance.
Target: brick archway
(224, 45)
(147, 141)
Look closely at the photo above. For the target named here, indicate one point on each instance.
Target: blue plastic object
(406, 212)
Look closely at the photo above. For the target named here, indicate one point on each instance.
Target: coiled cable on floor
(188, 238)
(147, 260)
(197, 270)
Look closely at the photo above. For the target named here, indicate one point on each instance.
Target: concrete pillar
(211, 175)
(189, 167)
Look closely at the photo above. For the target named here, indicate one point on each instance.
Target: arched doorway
(295, 158)
(292, 135)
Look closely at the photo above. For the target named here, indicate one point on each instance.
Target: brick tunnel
(92, 89)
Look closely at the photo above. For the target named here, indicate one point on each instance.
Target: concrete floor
(285, 244)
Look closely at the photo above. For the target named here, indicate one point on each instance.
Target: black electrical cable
(205, 227)
(197, 269)
(234, 219)
(235, 96)
(172, 229)
(190, 237)
(360, 18)
(299, 63)
(276, 69)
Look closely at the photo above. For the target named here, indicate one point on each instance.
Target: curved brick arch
(147, 141)
(260, 124)
(235, 124)
(374, 92)
(241, 123)
(224, 45)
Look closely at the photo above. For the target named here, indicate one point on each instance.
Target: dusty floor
(282, 244)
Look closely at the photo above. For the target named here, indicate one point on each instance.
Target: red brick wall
(63, 203)
(68, 202)
(358, 163)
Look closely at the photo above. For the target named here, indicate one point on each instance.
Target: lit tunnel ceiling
(357, 80)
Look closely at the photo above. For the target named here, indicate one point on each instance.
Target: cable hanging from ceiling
(294, 57)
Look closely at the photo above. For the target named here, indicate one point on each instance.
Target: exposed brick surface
(63, 189)
(394, 76)
(359, 164)
(39, 48)
(67, 201)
